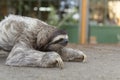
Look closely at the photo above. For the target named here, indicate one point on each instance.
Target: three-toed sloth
(32, 42)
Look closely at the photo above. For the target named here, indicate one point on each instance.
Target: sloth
(32, 42)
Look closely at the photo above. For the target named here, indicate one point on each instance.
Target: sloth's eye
(61, 41)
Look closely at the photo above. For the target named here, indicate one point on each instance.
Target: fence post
(84, 22)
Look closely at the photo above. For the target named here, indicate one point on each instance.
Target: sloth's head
(58, 40)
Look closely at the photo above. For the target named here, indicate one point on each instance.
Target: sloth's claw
(60, 63)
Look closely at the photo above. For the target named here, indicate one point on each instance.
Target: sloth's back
(12, 27)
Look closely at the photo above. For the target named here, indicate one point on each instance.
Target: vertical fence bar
(84, 22)
(39, 5)
(20, 7)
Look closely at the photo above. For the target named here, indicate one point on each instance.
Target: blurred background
(86, 21)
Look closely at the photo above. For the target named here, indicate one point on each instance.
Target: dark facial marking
(56, 33)
(61, 41)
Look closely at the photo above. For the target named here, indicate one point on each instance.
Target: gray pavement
(103, 63)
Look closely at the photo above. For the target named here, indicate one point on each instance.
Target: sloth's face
(57, 43)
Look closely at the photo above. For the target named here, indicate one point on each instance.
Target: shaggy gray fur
(29, 40)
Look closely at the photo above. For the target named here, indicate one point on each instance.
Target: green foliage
(53, 18)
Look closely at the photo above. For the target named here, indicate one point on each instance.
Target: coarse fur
(32, 42)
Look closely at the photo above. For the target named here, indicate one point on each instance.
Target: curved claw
(60, 63)
(85, 58)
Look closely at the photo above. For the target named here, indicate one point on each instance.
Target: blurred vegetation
(31, 8)
(53, 18)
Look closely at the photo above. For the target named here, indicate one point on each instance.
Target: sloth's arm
(23, 55)
(69, 54)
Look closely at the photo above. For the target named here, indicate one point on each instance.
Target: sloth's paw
(69, 54)
(59, 63)
(52, 59)
(79, 56)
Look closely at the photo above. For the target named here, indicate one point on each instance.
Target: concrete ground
(103, 63)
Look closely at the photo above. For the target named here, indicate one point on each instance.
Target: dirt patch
(102, 64)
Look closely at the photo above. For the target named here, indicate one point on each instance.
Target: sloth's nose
(66, 41)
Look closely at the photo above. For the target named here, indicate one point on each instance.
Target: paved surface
(103, 64)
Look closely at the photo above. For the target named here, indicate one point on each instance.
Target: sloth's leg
(69, 54)
(22, 55)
